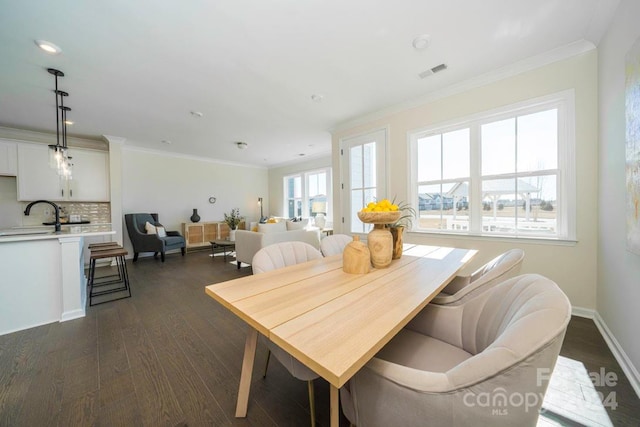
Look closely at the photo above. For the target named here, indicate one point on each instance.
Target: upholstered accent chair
(276, 256)
(486, 362)
(495, 271)
(151, 242)
(334, 244)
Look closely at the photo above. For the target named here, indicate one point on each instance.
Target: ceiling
(137, 69)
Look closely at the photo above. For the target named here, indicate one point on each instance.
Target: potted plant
(397, 228)
(232, 220)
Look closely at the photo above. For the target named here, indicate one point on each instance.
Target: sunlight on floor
(572, 399)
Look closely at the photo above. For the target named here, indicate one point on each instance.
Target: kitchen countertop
(22, 234)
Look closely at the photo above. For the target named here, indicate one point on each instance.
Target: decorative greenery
(233, 219)
(408, 214)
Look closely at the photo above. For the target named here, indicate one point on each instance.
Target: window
(308, 194)
(506, 173)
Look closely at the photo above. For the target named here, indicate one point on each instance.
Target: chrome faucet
(56, 207)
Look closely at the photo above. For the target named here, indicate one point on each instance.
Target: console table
(197, 235)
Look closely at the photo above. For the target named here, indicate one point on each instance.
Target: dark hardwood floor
(171, 356)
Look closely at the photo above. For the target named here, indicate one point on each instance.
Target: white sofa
(250, 242)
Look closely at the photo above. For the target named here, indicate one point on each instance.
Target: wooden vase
(396, 233)
(356, 257)
(380, 242)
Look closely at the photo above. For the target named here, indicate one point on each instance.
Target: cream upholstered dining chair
(486, 362)
(276, 256)
(495, 271)
(334, 244)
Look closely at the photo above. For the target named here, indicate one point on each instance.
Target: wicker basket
(379, 217)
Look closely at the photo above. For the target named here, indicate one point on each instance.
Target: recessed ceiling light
(421, 42)
(196, 114)
(68, 122)
(241, 145)
(48, 47)
(166, 141)
(317, 98)
(301, 154)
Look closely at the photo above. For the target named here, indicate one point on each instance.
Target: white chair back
(283, 254)
(334, 245)
(489, 275)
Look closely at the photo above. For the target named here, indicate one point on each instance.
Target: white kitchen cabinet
(36, 180)
(8, 158)
(90, 181)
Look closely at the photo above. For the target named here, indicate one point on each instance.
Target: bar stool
(103, 245)
(109, 285)
(95, 247)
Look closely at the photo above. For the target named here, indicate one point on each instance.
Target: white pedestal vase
(320, 221)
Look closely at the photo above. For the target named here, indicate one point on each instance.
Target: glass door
(363, 168)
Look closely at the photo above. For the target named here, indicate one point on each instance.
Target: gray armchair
(143, 242)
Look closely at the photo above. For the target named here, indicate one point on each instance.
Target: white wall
(276, 189)
(173, 186)
(618, 287)
(573, 267)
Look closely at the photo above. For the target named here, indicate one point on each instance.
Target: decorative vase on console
(195, 217)
(232, 234)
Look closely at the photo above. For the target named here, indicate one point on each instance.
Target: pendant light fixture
(57, 151)
(58, 154)
(66, 168)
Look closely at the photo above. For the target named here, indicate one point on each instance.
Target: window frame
(566, 173)
(304, 177)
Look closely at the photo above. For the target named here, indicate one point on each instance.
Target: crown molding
(25, 135)
(308, 158)
(189, 157)
(558, 54)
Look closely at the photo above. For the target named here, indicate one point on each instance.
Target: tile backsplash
(12, 211)
(96, 213)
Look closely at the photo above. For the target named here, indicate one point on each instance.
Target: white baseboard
(583, 312)
(73, 314)
(618, 352)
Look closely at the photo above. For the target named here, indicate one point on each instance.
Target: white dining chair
(466, 365)
(276, 256)
(492, 273)
(334, 244)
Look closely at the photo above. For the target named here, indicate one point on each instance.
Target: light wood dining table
(335, 322)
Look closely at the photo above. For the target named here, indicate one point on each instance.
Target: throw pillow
(272, 228)
(155, 229)
(297, 225)
(150, 228)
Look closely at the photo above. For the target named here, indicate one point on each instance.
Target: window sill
(497, 238)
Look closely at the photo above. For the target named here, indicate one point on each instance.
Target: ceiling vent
(432, 71)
